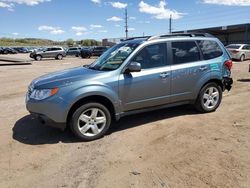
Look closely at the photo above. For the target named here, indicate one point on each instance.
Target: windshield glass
(114, 57)
(234, 46)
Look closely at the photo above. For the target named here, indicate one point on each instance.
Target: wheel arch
(213, 80)
(94, 98)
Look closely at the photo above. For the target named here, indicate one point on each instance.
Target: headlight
(40, 94)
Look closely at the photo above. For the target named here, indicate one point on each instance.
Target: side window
(185, 52)
(210, 49)
(244, 47)
(152, 56)
(248, 47)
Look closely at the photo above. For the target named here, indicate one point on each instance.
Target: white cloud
(114, 19)
(228, 2)
(79, 30)
(159, 11)
(117, 25)
(51, 30)
(93, 26)
(26, 2)
(10, 4)
(131, 29)
(102, 31)
(16, 34)
(144, 22)
(96, 1)
(118, 5)
(132, 18)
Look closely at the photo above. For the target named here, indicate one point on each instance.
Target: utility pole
(170, 24)
(126, 23)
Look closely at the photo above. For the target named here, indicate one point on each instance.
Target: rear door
(187, 69)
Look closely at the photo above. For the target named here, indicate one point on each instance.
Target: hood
(65, 77)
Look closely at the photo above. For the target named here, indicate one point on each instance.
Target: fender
(97, 89)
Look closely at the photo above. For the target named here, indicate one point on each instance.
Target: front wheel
(90, 121)
(209, 98)
(59, 57)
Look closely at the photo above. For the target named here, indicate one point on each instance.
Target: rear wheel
(242, 58)
(90, 121)
(38, 58)
(209, 98)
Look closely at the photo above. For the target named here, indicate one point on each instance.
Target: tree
(70, 42)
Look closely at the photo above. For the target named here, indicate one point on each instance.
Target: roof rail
(180, 35)
(132, 38)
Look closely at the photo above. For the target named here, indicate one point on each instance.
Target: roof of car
(171, 37)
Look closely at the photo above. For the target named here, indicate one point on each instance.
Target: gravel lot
(175, 147)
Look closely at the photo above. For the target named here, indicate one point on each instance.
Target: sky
(98, 19)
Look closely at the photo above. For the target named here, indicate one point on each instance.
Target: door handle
(164, 75)
(203, 68)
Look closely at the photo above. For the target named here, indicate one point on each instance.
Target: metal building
(227, 34)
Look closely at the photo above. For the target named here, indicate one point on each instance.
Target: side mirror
(133, 67)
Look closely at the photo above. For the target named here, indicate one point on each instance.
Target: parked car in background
(52, 52)
(21, 49)
(1, 50)
(133, 76)
(86, 52)
(32, 49)
(239, 51)
(99, 50)
(74, 51)
(9, 51)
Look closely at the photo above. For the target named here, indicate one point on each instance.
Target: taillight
(235, 51)
(228, 64)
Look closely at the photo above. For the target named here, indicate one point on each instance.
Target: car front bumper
(51, 111)
(49, 122)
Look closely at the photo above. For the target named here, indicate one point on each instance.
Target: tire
(242, 58)
(38, 58)
(84, 124)
(59, 57)
(209, 98)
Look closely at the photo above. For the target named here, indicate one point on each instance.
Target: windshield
(114, 57)
(233, 46)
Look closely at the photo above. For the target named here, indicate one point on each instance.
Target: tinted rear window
(185, 52)
(233, 46)
(210, 49)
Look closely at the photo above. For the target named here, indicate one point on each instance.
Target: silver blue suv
(137, 75)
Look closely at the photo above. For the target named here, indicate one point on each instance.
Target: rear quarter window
(210, 49)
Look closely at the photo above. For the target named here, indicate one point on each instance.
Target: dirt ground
(174, 147)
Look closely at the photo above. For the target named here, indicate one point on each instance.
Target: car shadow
(29, 130)
(149, 117)
(243, 80)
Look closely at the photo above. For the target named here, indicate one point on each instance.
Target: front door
(151, 86)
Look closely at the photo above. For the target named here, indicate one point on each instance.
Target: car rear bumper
(227, 83)
(236, 56)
